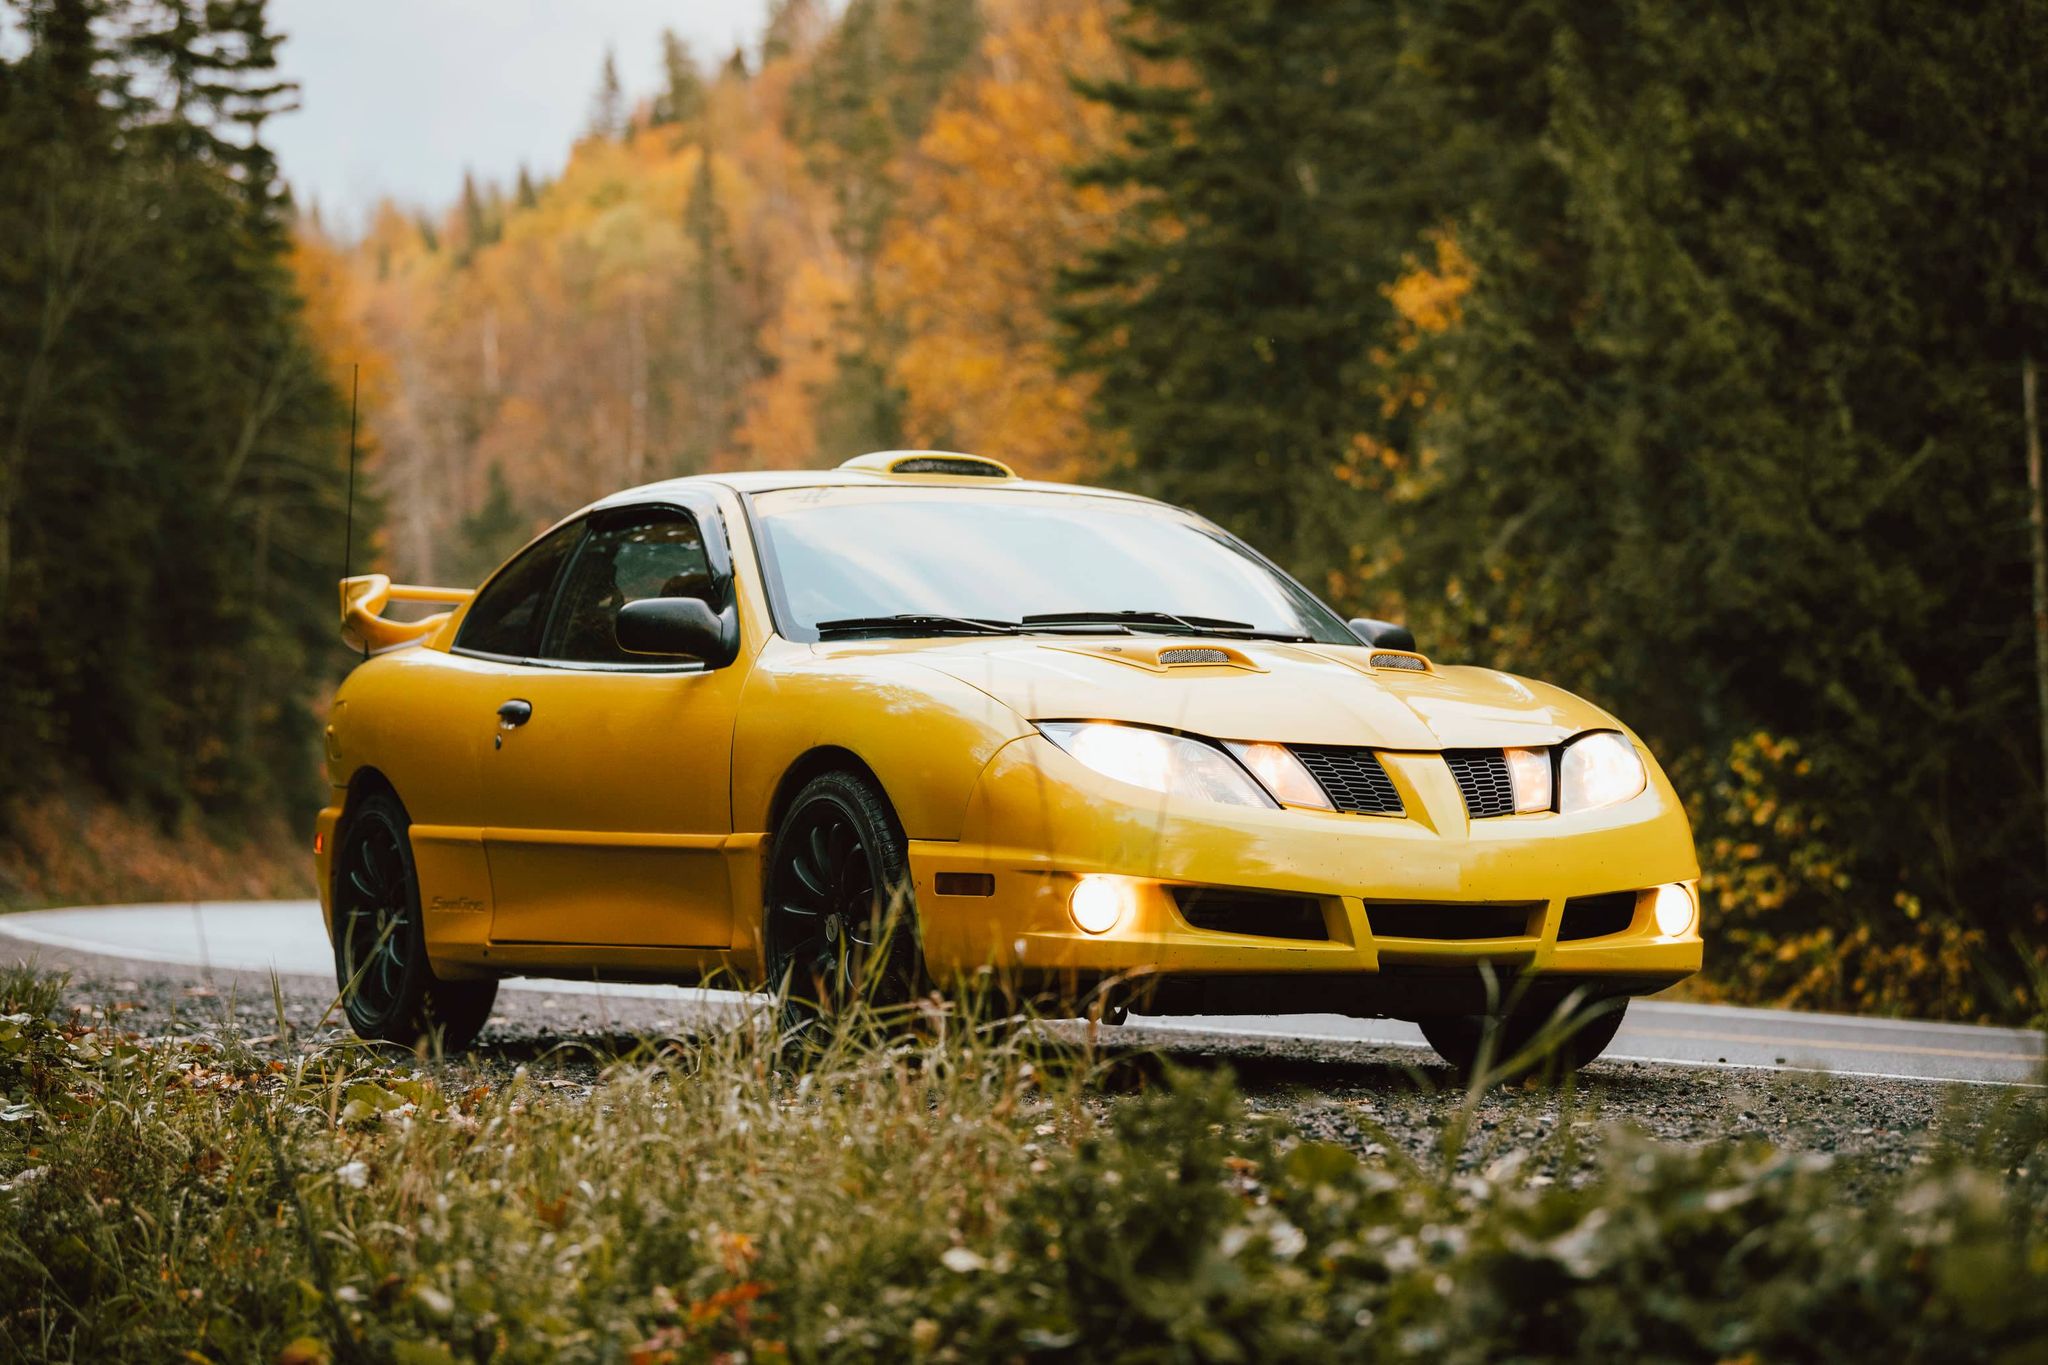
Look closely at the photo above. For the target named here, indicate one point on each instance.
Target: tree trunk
(6, 540)
(2035, 515)
(636, 390)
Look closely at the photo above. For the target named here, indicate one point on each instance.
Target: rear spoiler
(364, 597)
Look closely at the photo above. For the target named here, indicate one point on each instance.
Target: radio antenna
(348, 532)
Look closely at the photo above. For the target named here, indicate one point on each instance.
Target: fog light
(1099, 903)
(1674, 910)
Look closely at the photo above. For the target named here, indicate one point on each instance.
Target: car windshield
(950, 561)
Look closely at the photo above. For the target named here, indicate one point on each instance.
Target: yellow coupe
(899, 724)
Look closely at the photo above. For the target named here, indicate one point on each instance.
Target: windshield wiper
(1166, 620)
(916, 622)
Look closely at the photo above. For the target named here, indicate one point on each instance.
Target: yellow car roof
(882, 469)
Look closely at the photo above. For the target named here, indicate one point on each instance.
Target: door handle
(511, 716)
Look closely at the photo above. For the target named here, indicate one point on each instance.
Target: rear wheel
(840, 921)
(388, 988)
(1460, 1038)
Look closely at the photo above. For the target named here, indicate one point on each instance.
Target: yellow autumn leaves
(686, 296)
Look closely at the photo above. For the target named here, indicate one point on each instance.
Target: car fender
(924, 735)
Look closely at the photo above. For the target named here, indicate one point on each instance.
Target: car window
(506, 617)
(1006, 554)
(646, 552)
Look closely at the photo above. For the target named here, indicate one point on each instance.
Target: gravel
(1401, 1103)
(1390, 1103)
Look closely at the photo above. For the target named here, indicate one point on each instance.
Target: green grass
(940, 1195)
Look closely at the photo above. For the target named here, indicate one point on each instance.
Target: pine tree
(682, 96)
(609, 116)
(1697, 388)
(1232, 321)
(867, 97)
(1720, 427)
(488, 536)
(794, 29)
(56, 148)
(481, 221)
(193, 429)
(717, 348)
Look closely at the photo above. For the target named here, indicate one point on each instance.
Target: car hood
(1301, 694)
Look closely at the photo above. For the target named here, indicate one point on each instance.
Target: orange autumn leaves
(989, 219)
(966, 277)
(637, 317)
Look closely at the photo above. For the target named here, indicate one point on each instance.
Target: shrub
(1793, 920)
(959, 1195)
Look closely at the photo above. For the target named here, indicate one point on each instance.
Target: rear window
(507, 615)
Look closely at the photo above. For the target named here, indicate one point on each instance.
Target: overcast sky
(400, 96)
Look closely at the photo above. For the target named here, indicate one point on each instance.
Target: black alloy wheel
(840, 922)
(388, 987)
(1459, 1039)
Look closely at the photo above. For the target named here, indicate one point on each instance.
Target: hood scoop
(1375, 662)
(1166, 658)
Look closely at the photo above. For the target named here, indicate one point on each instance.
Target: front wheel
(840, 921)
(1461, 1038)
(388, 987)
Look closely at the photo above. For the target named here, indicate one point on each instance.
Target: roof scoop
(945, 464)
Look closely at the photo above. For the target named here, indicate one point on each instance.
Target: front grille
(1193, 655)
(1596, 916)
(1407, 661)
(1482, 776)
(1353, 779)
(1452, 923)
(1225, 911)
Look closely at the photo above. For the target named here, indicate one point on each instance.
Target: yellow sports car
(916, 720)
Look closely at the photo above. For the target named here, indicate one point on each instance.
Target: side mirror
(679, 627)
(1382, 634)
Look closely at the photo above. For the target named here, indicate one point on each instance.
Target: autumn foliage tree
(991, 214)
(849, 241)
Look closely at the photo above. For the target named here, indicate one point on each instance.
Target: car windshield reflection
(970, 561)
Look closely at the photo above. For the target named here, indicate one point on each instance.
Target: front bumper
(1039, 821)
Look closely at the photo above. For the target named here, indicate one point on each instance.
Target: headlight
(1598, 770)
(1157, 761)
(1281, 774)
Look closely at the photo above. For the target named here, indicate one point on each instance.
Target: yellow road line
(1793, 1044)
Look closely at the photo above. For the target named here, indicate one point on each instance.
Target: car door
(436, 747)
(608, 788)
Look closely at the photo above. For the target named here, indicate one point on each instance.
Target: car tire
(1458, 1039)
(388, 988)
(839, 916)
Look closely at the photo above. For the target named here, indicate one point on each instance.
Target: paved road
(287, 937)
